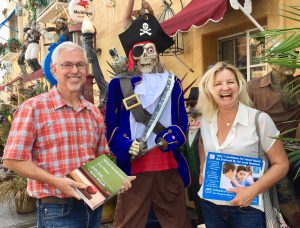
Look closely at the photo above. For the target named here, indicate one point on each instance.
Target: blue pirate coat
(118, 125)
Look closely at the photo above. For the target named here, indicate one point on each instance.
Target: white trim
(195, 26)
(50, 12)
(245, 34)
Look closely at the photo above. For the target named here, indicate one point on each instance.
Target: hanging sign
(80, 8)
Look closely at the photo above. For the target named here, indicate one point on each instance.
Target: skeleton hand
(248, 6)
(234, 4)
(147, 6)
(135, 148)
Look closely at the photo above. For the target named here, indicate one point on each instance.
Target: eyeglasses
(69, 66)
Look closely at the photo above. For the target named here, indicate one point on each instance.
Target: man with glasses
(53, 134)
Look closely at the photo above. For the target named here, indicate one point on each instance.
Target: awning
(3, 23)
(197, 13)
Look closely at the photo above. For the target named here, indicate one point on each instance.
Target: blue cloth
(217, 216)
(242, 183)
(118, 125)
(75, 214)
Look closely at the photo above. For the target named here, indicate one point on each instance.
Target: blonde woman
(228, 126)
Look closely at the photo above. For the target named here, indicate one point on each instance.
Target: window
(241, 50)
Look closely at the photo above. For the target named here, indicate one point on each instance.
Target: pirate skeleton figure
(32, 36)
(146, 120)
(21, 59)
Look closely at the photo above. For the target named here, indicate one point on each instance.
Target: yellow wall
(200, 44)
(108, 24)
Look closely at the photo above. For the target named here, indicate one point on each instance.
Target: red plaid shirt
(55, 137)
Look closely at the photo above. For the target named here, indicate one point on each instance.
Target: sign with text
(78, 9)
(224, 171)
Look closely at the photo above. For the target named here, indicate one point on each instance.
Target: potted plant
(12, 186)
(5, 122)
(32, 5)
(14, 44)
(282, 44)
(13, 191)
(3, 48)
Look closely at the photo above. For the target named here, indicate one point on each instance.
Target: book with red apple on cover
(103, 178)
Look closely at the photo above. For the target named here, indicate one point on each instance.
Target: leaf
(294, 156)
(297, 164)
(112, 73)
(111, 67)
(297, 175)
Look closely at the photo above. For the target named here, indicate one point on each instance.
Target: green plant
(32, 5)
(14, 44)
(5, 123)
(282, 44)
(292, 146)
(3, 48)
(13, 191)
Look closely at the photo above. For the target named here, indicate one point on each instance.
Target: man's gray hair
(67, 46)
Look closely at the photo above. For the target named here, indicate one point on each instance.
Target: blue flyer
(223, 171)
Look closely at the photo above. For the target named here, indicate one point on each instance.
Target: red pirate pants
(163, 190)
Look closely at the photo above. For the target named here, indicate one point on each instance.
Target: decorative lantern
(177, 47)
(88, 32)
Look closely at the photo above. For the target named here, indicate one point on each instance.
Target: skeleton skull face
(145, 55)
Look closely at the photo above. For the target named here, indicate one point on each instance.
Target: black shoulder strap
(139, 113)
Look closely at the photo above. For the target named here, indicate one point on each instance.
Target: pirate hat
(145, 28)
(194, 94)
(192, 100)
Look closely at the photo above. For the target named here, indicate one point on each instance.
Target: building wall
(108, 24)
(200, 44)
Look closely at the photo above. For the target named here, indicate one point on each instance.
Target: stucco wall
(200, 44)
(108, 24)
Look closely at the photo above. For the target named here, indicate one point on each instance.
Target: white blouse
(242, 139)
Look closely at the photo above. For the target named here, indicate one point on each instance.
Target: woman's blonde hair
(206, 103)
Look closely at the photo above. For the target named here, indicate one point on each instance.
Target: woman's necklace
(227, 123)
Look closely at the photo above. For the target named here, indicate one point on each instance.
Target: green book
(103, 178)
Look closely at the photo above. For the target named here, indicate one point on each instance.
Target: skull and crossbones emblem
(145, 30)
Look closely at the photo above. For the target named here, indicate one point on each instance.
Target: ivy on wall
(32, 5)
